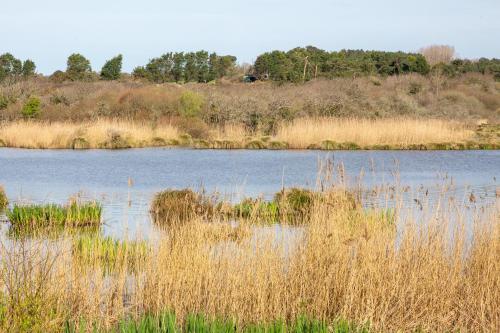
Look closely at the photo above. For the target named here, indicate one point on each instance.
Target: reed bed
(98, 134)
(302, 133)
(109, 253)
(34, 216)
(432, 272)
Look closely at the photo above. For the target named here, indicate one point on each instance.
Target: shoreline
(328, 146)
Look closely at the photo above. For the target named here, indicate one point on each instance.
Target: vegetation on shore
(346, 262)
(34, 217)
(309, 133)
(311, 100)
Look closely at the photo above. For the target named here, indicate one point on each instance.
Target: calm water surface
(55, 175)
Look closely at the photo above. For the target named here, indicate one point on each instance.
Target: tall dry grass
(301, 133)
(430, 276)
(27, 134)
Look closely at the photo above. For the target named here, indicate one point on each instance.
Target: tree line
(296, 65)
(186, 67)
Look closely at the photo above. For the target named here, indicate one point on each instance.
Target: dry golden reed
(300, 134)
(365, 132)
(431, 275)
(27, 134)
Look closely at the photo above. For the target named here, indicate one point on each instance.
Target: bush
(171, 207)
(32, 107)
(191, 104)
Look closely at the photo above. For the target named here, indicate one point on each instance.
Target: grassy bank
(304, 133)
(346, 262)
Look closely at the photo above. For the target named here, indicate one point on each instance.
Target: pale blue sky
(48, 31)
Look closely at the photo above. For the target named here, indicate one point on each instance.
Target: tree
(10, 66)
(112, 68)
(78, 67)
(29, 68)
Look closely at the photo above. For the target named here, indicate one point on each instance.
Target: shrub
(295, 201)
(32, 107)
(190, 104)
(173, 206)
(58, 76)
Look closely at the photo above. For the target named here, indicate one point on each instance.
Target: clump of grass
(167, 322)
(257, 208)
(34, 217)
(3, 199)
(170, 207)
(96, 250)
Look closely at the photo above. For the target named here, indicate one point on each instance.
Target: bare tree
(436, 54)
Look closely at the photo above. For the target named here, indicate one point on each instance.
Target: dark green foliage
(301, 64)
(186, 67)
(462, 66)
(78, 67)
(32, 107)
(112, 68)
(29, 68)
(13, 68)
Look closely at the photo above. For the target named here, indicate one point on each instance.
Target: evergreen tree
(112, 68)
(78, 67)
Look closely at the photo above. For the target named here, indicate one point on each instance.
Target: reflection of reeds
(346, 262)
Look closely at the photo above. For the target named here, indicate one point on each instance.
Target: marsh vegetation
(350, 268)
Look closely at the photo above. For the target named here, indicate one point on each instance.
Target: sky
(50, 30)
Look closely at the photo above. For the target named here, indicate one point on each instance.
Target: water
(55, 175)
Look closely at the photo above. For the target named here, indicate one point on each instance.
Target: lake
(125, 180)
